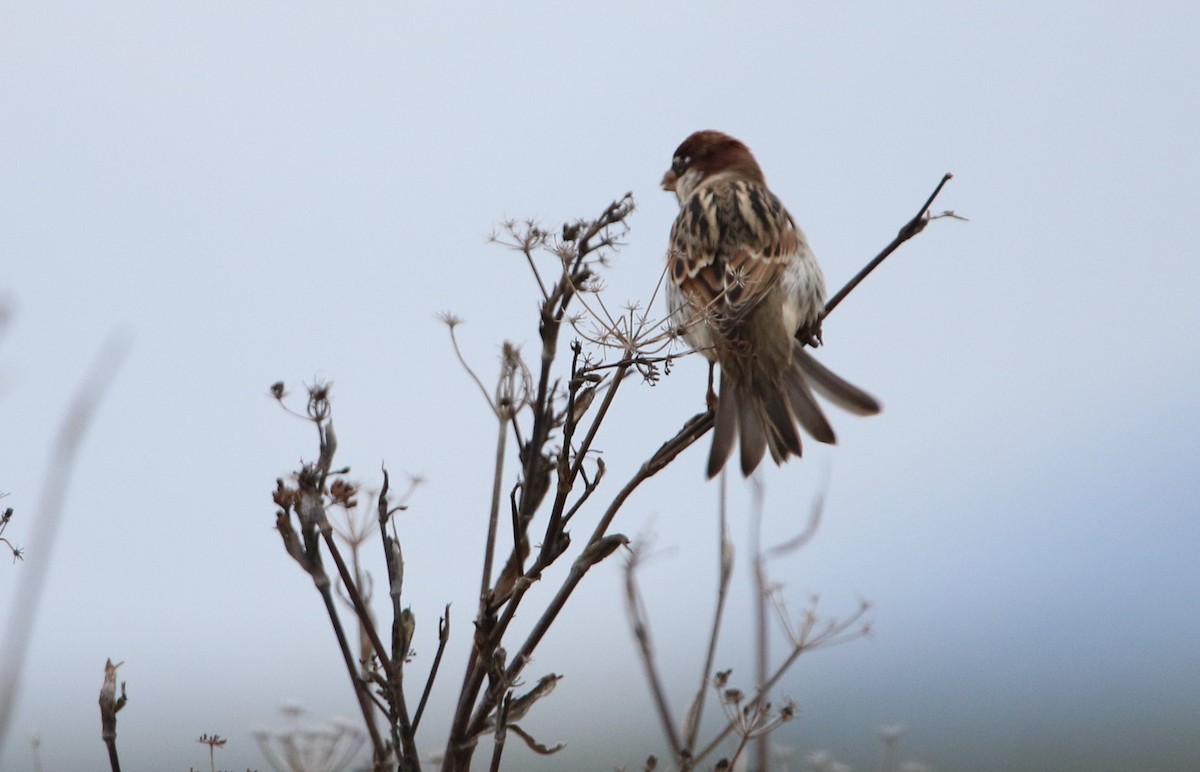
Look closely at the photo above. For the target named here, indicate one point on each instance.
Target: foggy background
(252, 192)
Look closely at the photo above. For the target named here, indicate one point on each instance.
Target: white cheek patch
(686, 184)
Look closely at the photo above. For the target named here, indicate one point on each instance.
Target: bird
(744, 290)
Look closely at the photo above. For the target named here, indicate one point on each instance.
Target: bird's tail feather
(833, 387)
(765, 413)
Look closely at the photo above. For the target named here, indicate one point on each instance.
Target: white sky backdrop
(263, 191)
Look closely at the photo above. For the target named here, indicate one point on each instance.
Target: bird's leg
(711, 398)
(810, 334)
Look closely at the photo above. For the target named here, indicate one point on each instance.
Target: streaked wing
(729, 247)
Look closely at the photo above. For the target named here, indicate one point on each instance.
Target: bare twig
(809, 635)
(636, 611)
(762, 633)
(443, 639)
(910, 229)
(494, 512)
(580, 242)
(696, 713)
(110, 705)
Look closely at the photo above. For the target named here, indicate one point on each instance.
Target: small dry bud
(582, 402)
(342, 493)
(285, 498)
(601, 549)
(733, 696)
(408, 626)
(722, 678)
(277, 390)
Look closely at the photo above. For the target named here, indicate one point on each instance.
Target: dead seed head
(318, 400)
(285, 498)
(342, 493)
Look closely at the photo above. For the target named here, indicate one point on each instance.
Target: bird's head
(705, 154)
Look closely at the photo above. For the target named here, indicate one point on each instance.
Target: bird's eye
(679, 164)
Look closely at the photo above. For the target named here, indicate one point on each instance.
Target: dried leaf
(533, 744)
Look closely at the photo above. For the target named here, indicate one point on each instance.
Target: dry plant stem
(63, 455)
(314, 511)
(403, 734)
(565, 476)
(321, 580)
(636, 609)
(110, 705)
(762, 744)
(581, 454)
(494, 514)
(390, 668)
(393, 559)
(501, 733)
(554, 527)
(691, 431)
(564, 465)
(360, 608)
(400, 719)
(468, 723)
(910, 229)
(745, 738)
(827, 638)
(443, 639)
(726, 574)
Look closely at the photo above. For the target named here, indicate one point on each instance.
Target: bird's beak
(668, 181)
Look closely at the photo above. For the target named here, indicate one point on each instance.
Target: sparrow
(747, 293)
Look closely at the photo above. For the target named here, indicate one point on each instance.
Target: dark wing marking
(730, 245)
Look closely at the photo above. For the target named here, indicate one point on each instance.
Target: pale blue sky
(263, 191)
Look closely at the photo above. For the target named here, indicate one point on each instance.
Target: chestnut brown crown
(710, 152)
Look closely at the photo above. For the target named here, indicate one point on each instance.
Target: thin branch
(910, 229)
(390, 669)
(110, 705)
(501, 732)
(494, 512)
(834, 634)
(554, 526)
(451, 321)
(693, 430)
(360, 689)
(636, 610)
(726, 574)
(762, 637)
(443, 639)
